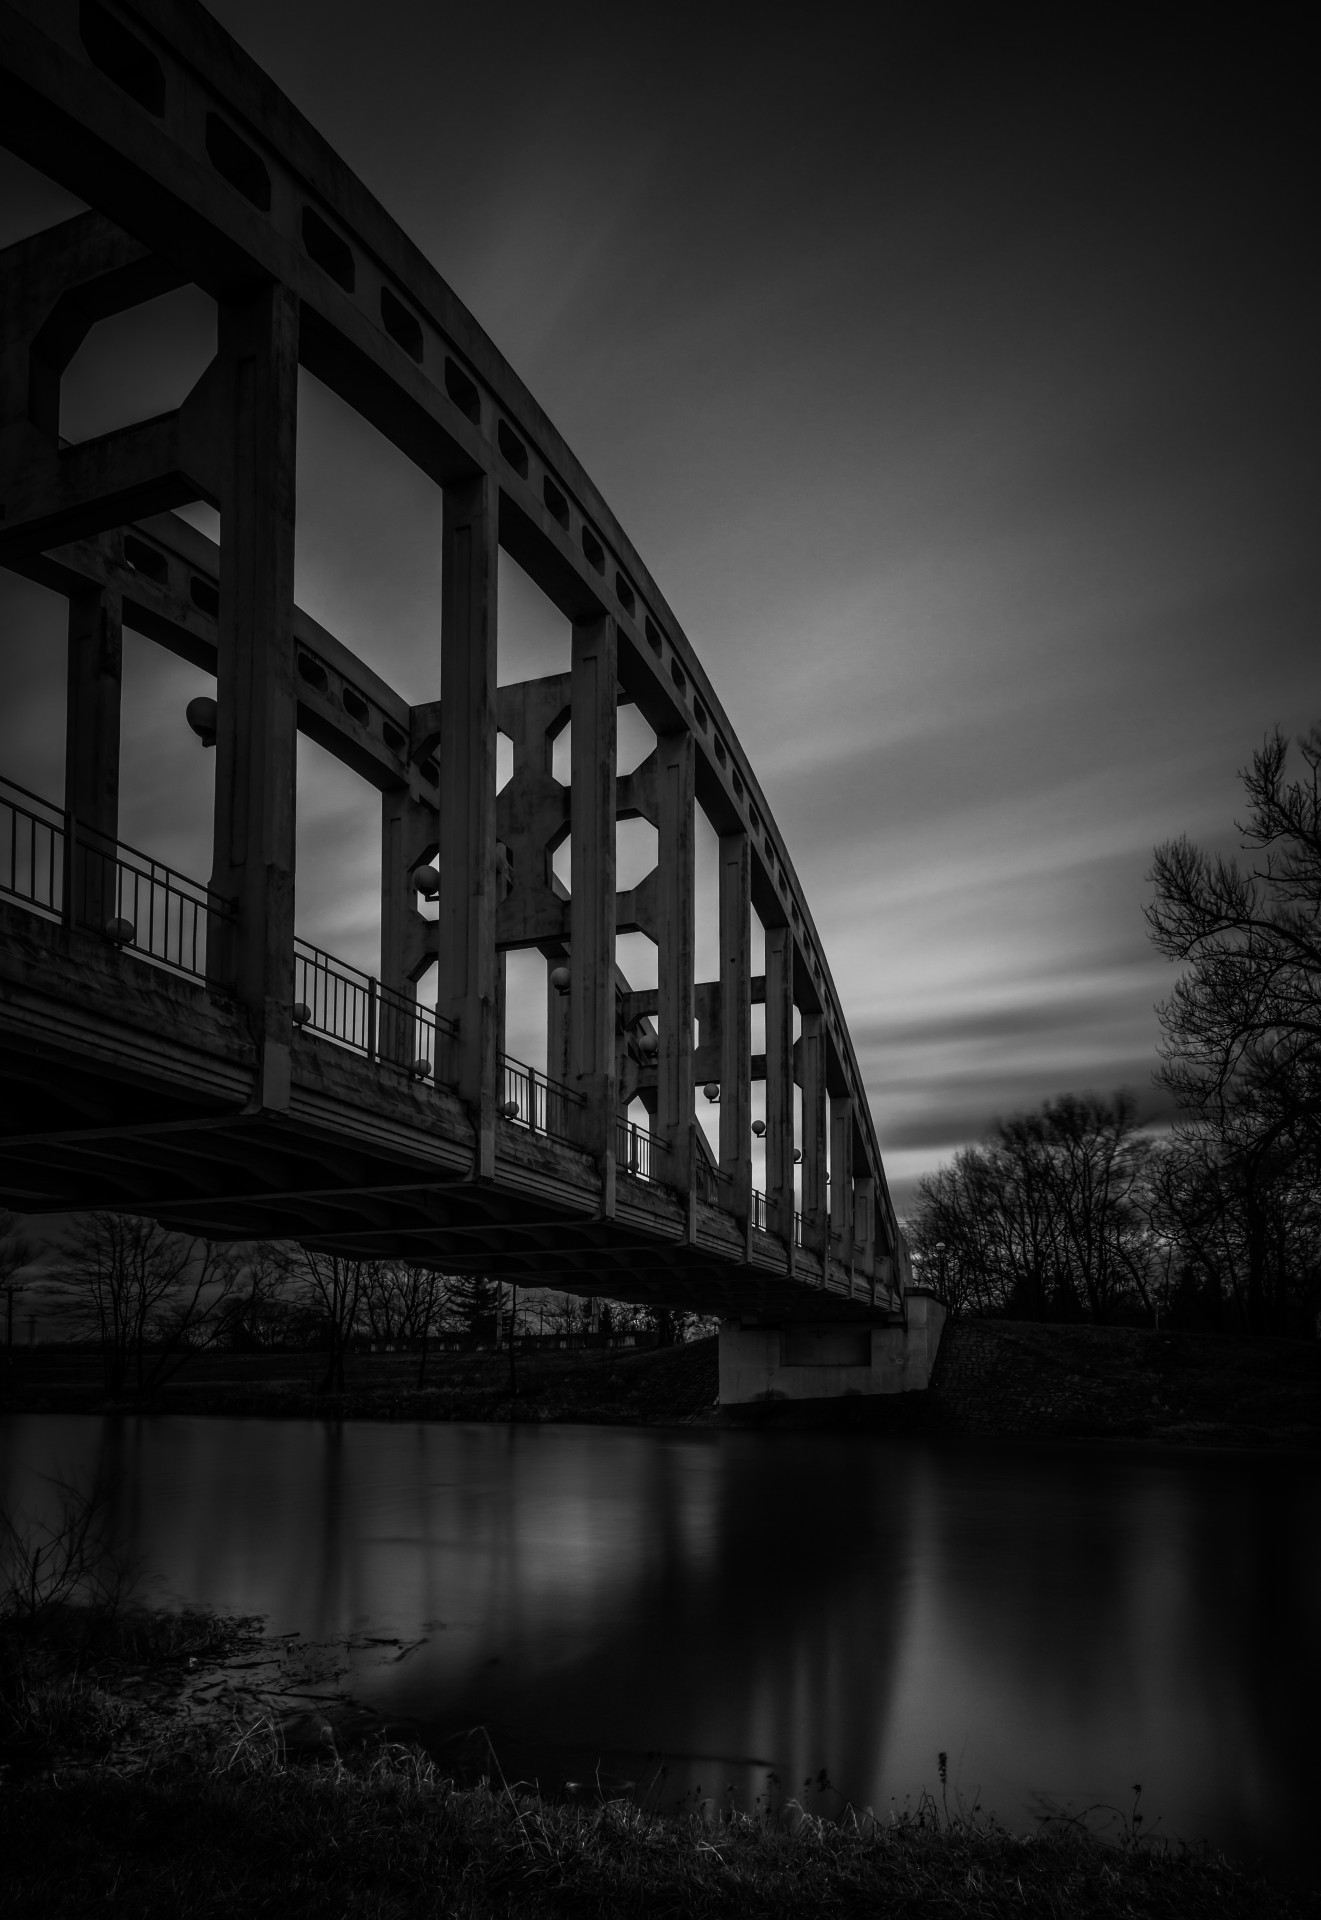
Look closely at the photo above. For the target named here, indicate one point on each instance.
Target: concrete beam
(54, 287)
(91, 755)
(252, 954)
(50, 498)
(841, 1175)
(676, 931)
(592, 891)
(812, 1053)
(467, 985)
(779, 998)
(736, 1022)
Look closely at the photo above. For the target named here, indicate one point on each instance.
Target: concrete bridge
(171, 1046)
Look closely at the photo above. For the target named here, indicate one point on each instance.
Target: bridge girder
(199, 171)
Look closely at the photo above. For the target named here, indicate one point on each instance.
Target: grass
(244, 1832)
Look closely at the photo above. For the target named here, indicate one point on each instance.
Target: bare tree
(1245, 1019)
(1242, 1046)
(258, 1310)
(402, 1302)
(1046, 1219)
(151, 1296)
(333, 1287)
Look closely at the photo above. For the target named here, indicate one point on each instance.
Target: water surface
(1064, 1624)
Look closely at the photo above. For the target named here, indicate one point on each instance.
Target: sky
(957, 381)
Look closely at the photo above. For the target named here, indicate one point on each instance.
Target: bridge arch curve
(198, 170)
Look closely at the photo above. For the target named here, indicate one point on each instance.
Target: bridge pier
(825, 1360)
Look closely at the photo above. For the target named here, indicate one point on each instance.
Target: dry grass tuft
(387, 1836)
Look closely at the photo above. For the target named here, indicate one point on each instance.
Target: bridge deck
(128, 1086)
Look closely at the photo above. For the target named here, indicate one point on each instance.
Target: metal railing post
(67, 877)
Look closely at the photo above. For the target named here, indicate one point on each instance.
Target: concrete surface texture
(823, 1360)
(171, 1043)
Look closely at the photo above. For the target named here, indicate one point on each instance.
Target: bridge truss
(172, 1048)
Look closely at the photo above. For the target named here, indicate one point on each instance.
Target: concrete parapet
(824, 1360)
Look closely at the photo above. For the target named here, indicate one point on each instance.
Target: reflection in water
(1063, 1624)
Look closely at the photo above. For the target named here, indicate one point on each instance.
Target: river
(1064, 1624)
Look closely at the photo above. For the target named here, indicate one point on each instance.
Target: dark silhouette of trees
(261, 1312)
(403, 1303)
(1071, 1211)
(151, 1296)
(1045, 1218)
(1241, 1051)
(476, 1301)
(331, 1288)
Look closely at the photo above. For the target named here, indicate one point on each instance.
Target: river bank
(178, 1764)
(994, 1379)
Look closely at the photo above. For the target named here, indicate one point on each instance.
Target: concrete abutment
(826, 1360)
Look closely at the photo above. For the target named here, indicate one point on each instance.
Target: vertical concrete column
(864, 1228)
(408, 832)
(256, 704)
(501, 1002)
(736, 1021)
(780, 1081)
(91, 755)
(468, 878)
(841, 1174)
(815, 1219)
(675, 764)
(594, 702)
(557, 1021)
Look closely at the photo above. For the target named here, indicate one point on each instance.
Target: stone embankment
(1020, 1380)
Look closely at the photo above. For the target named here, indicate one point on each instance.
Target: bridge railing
(708, 1181)
(637, 1151)
(535, 1101)
(761, 1217)
(67, 871)
(356, 1011)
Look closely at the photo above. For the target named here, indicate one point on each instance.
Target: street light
(201, 717)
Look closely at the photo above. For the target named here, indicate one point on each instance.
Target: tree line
(1076, 1211)
(150, 1299)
